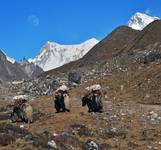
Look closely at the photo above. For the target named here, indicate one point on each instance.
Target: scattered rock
(13, 130)
(41, 140)
(66, 138)
(91, 145)
(150, 134)
(132, 145)
(154, 117)
(81, 130)
(111, 133)
(147, 98)
(52, 144)
(10, 133)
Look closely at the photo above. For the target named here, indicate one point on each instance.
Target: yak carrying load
(93, 98)
(61, 99)
(22, 110)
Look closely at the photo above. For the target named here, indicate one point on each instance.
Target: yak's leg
(62, 105)
(57, 106)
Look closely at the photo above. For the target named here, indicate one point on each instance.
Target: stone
(74, 77)
(52, 144)
(153, 56)
(111, 133)
(91, 145)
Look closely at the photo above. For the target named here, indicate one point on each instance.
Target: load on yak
(61, 99)
(92, 98)
(22, 110)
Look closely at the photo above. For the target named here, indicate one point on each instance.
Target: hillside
(102, 51)
(10, 71)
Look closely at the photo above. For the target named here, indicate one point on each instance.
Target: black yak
(92, 98)
(61, 101)
(93, 103)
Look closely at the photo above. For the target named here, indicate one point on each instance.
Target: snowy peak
(10, 59)
(139, 21)
(4, 55)
(53, 55)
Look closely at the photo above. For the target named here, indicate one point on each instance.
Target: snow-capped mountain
(53, 55)
(11, 60)
(139, 21)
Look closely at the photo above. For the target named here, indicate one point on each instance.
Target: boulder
(74, 77)
(91, 145)
(153, 56)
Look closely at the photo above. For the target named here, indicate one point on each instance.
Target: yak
(93, 103)
(62, 103)
(23, 114)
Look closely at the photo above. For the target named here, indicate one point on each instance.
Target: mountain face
(10, 70)
(30, 68)
(139, 21)
(109, 46)
(53, 55)
(122, 40)
(151, 34)
(112, 44)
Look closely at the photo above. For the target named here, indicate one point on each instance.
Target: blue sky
(25, 25)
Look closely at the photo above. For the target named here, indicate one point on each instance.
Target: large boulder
(153, 56)
(74, 77)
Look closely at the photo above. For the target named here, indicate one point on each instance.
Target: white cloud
(34, 20)
(147, 11)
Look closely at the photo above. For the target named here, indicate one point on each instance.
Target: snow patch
(10, 59)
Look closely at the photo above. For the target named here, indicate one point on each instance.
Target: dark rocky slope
(9, 71)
